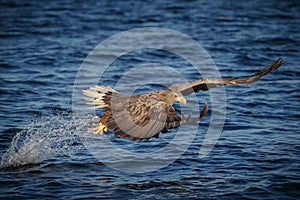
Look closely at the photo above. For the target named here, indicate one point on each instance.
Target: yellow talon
(105, 128)
(99, 129)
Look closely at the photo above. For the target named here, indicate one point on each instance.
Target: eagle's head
(174, 97)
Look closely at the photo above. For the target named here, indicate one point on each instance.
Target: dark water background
(42, 46)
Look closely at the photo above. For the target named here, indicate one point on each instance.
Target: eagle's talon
(100, 129)
(96, 130)
(95, 118)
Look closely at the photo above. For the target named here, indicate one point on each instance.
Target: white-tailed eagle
(147, 115)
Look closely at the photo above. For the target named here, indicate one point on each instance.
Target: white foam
(49, 136)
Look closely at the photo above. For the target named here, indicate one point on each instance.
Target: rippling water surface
(42, 152)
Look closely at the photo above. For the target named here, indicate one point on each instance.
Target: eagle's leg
(100, 128)
(186, 120)
(189, 119)
(203, 113)
(95, 118)
(102, 124)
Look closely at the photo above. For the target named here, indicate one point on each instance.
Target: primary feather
(147, 115)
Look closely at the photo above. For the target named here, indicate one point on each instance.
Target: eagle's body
(146, 115)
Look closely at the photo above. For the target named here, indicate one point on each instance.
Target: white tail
(96, 95)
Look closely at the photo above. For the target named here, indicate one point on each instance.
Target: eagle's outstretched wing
(205, 84)
(146, 115)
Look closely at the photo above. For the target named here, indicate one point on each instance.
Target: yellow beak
(181, 100)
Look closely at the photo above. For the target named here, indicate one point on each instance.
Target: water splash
(44, 138)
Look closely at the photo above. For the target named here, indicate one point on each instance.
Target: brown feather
(147, 115)
(206, 84)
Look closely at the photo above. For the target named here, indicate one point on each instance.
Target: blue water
(42, 47)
